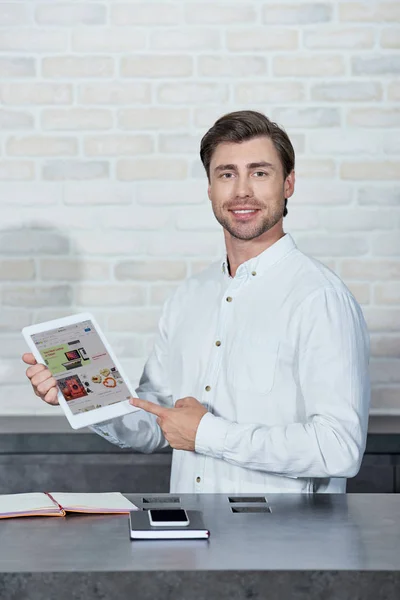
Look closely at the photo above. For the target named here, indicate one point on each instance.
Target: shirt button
(198, 479)
(208, 388)
(254, 273)
(217, 343)
(229, 299)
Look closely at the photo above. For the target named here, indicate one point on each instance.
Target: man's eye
(226, 175)
(260, 174)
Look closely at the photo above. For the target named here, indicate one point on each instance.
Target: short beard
(266, 224)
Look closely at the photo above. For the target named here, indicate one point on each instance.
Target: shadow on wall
(44, 275)
(38, 270)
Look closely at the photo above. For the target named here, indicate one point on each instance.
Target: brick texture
(103, 197)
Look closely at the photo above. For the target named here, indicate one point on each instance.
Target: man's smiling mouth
(244, 214)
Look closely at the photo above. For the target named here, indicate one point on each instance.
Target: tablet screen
(79, 361)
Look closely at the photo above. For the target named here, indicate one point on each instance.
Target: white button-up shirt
(279, 355)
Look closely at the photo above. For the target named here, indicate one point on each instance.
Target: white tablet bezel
(96, 415)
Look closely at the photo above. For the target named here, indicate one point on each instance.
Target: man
(258, 378)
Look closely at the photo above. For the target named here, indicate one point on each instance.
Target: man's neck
(240, 251)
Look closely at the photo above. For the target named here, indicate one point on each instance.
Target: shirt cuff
(210, 436)
(101, 429)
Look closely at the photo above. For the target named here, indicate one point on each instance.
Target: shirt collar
(261, 263)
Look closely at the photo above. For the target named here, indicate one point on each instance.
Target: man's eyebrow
(262, 163)
(226, 168)
(254, 165)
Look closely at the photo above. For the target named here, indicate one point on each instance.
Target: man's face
(248, 176)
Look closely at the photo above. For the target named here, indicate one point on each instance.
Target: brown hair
(245, 125)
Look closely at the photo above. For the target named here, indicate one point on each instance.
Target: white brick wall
(103, 199)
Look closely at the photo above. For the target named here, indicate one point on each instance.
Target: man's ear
(209, 191)
(289, 184)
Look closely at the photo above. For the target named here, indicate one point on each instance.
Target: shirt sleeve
(333, 353)
(139, 430)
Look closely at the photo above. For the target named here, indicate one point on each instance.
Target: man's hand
(43, 383)
(179, 424)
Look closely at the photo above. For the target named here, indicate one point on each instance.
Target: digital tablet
(92, 386)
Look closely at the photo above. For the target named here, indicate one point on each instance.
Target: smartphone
(164, 517)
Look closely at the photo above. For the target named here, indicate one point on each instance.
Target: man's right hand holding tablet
(43, 383)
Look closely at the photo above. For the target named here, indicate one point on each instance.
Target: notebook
(140, 528)
(57, 504)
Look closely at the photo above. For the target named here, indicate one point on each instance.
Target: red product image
(72, 388)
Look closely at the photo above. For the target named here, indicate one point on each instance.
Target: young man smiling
(258, 378)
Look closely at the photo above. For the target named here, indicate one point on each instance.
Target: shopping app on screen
(79, 361)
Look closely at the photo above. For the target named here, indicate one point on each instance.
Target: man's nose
(244, 188)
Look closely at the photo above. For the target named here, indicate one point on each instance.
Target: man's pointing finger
(149, 407)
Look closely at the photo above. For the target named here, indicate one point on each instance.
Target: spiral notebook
(57, 504)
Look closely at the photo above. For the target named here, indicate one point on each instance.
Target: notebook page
(107, 502)
(26, 503)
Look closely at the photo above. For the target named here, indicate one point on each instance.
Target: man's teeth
(243, 211)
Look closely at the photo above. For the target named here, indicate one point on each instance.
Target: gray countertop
(307, 548)
(302, 532)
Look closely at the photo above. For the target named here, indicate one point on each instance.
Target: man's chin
(249, 230)
(245, 233)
